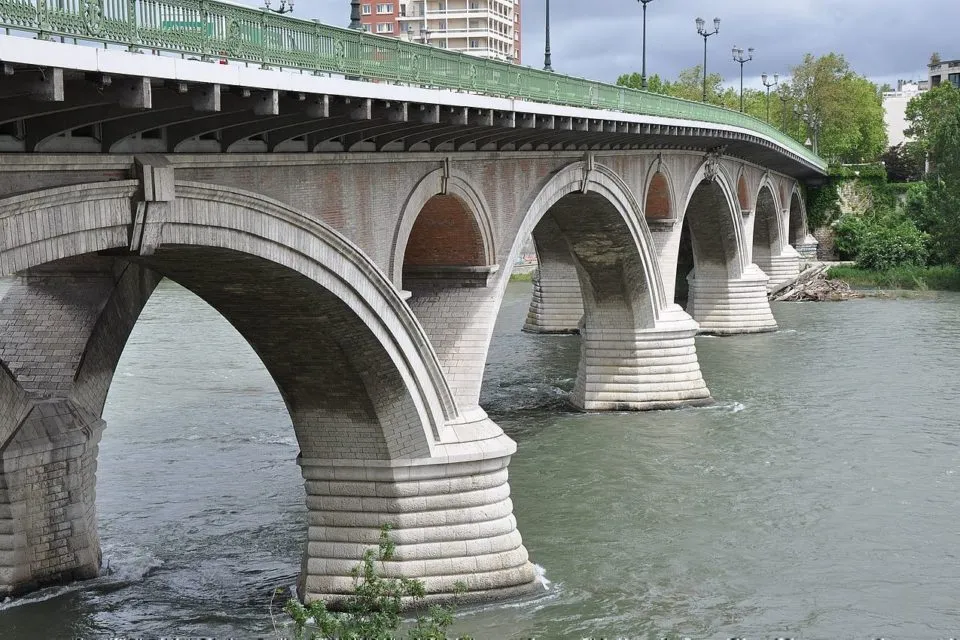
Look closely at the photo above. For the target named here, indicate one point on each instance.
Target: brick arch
(274, 242)
(659, 204)
(743, 193)
(445, 234)
(448, 200)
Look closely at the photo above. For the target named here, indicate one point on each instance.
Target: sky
(600, 39)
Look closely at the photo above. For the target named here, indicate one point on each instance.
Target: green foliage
(373, 610)
(936, 206)
(847, 105)
(926, 113)
(939, 278)
(822, 204)
(903, 163)
(881, 241)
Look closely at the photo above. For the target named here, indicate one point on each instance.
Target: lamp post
(813, 128)
(776, 81)
(796, 119)
(355, 15)
(426, 36)
(643, 70)
(546, 47)
(738, 57)
(784, 99)
(701, 29)
(286, 7)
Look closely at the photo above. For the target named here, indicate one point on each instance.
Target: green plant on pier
(373, 611)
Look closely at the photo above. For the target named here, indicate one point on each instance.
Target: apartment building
(945, 71)
(483, 28)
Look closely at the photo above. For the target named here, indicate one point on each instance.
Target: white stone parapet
(641, 370)
(557, 304)
(450, 517)
(727, 307)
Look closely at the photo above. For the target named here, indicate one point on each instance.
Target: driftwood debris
(813, 286)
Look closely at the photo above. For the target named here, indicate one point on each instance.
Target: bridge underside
(56, 110)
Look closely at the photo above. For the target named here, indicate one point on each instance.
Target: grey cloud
(600, 39)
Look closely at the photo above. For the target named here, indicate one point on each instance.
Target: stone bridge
(360, 236)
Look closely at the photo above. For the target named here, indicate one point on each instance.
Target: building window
(954, 79)
(365, 28)
(366, 9)
(934, 81)
(474, 44)
(385, 8)
(384, 27)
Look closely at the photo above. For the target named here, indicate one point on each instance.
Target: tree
(903, 164)
(943, 187)
(928, 111)
(845, 109)
(934, 58)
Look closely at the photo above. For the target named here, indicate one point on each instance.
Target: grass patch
(521, 277)
(944, 278)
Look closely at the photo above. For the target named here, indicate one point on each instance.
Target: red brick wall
(658, 198)
(445, 234)
(742, 194)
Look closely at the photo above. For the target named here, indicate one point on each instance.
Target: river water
(817, 499)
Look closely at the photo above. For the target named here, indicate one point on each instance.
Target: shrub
(881, 241)
(373, 610)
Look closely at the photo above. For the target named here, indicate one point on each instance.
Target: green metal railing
(209, 29)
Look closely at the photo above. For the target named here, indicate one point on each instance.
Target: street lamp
(701, 29)
(796, 119)
(284, 7)
(643, 72)
(355, 15)
(776, 81)
(813, 121)
(784, 99)
(738, 57)
(546, 48)
(426, 36)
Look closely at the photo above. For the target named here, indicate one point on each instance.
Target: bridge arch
(711, 211)
(366, 394)
(270, 239)
(768, 236)
(797, 227)
(437, 199)
(659, 195)
(585, 217)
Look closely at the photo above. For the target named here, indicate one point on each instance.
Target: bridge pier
(451, 518)
(48, 524)
(643, 369)
(780, 268)
(557, 304)
(729, 306)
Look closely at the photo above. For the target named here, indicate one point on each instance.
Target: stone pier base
(729, 307)
(807, 247)
(556, 306)
(782, 268)
(48, 531)
(641, 370)
(451, 519)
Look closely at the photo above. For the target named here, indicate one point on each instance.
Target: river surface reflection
(817, 499)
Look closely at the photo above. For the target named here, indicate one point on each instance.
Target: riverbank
(943, 278)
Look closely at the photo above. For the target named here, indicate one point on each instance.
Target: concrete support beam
(206, 98)
(49, 87)
(134, 93)
(266, 103)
